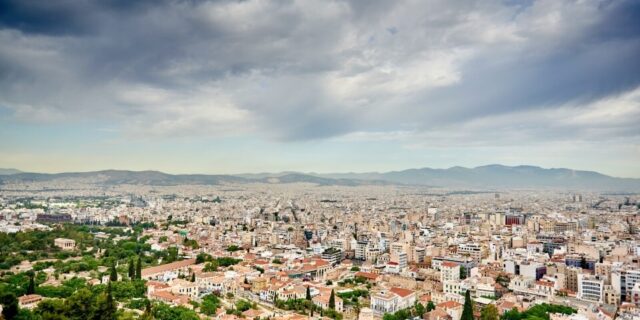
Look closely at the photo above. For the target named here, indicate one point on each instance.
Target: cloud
(305, 70)
(611, 120)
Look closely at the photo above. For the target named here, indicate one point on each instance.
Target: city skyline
(319, 86)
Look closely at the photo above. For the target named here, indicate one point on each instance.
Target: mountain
(502, 177)
(157, 178)
(115, 177)
(4, 171)
(323, 181)
(490, 177)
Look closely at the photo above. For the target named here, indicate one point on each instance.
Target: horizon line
(312, 172)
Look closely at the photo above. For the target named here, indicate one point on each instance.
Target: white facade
(590, 287)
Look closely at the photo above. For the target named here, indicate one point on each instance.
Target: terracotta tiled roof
(367, 275)
(29, 298)
(449, 305)
(544, 283)
(157, 284)
(401, 292)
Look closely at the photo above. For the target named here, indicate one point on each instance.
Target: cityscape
(320, 160)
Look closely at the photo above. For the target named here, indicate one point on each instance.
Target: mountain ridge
(490, 177)
(8, 171)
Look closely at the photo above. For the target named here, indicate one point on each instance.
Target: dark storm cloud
(600, 61)
(66, 17)
(292, 70)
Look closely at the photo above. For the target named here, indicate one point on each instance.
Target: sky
(319, 85)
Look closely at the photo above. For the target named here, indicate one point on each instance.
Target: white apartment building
(392, 300)
(360, 250)
(590, 287)
(623, 282)
(400, 258)
(452, 287)
(449, 271)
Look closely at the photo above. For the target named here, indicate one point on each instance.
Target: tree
(105, 306)
(52, 309)
(419, 309)
(193, 277)
(389, 316)
(431, 306)
(139, 268)
(332, 300)
(132, 269)
(163, 311)
(512, 314)
(211, 266)
(114, 273)
(210, 303)
(81, 304)
(202, 258)
(463, 272)
(148, 312)
(309, 293)
(9, 306)
(31, 289)
(490, 312)
(467, 310)
(243, 305)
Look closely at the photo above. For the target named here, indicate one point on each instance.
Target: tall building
(449, 271)
(623, 282)
(473, 250)
(590, 287)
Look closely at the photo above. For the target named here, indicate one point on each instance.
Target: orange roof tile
(401, 292)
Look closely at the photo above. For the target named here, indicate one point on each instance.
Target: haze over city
(319, 86)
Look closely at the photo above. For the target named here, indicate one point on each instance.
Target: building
(333, 255)
(449, 271)
(514, 219)
(184, 288)
(611, 296)
(360, 250)
(623, 281)
(571, 278)
(400, 258)
(590, 287)
(392, 300)
(465, 262)
(53, 218)
(580, 261)
(310, 269)
(322, 300)
(65, 244)
(169, 271)
(419, 254)
(472, 250)
(452, 308)
(29, 301)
